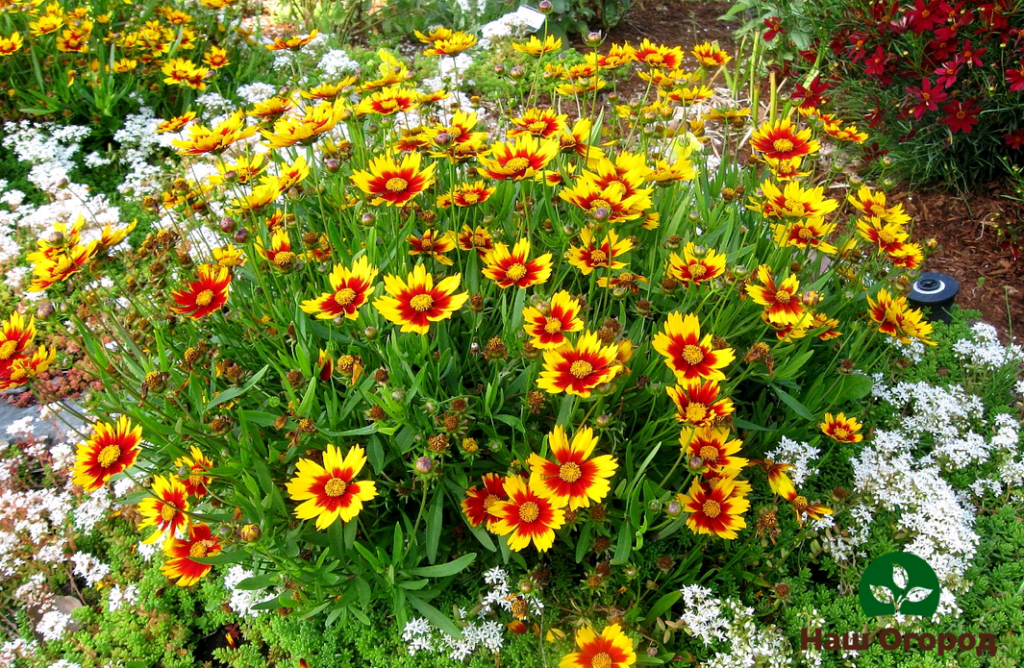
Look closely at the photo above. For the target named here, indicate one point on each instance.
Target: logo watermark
(899, 583)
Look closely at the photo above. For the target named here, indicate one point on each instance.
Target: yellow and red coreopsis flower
(471, 194)
(873, 205)
(15, 338)
(388, 101)
(204, 296)
(889, 237)
(709, 54)
(330, 492)
(608, 202)
(292, 43)
(9, 45)
(394, 183)
(197, 464)
(716, 452)
(538, 122)
(850, 133)
(181, 72)
(202, 139)
(176, 123)
(574, 479)
(165, 510)
(897, 319)
(578, 370)
(611, 649)
(696, 267)
(698, 403)
(479, 240)
(909, 256)
(659, 56)
(802, 507)
(716, 507)
(548, 331)
(779, 482)
(841, 428)
(327, 91)
(478, 503)
(793, 201)
(517, 160)
(516, 268)
(782, 141)
(785, 170)
(804, 233)
(182, 552)
(577, 141)
(535, 47)
(593, 256)
(271, 109)
(452, 45)
(324, 365)
(307, 128)
(526, 516)
(433, 34)
(782, 303)
(626, 281)
(417, 303)
(686, 353)
(111, 449)
(46, 24)
(216, 58)
(433, 244)
(22, 369)
(280, 253)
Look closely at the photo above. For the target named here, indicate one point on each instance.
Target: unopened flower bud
(332, 165)
(594, 38)
(499, 69)
(545, 7)
(250, 533)
(424, 465)
(241, 235)
(673, 509)
(516, 73)
(367, 219)
(601, 214)
(227, 225)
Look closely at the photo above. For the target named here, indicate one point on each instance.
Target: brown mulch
(970, 250)
(676, 23)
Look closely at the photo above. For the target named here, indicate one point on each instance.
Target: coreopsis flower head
(611, 649)
(455, 44)
(109, 237)
(205, 295)
(574, 479)
(471, 194)
(526, 517)
(517, 160)
(280, 253)
(202, 139)
(548, 332)
(665, 80)
(687, 96)
(781, 301)
(46, 24)
(873, 205)
(715, 507)
(627, 281)
(897, 319)
(782, 141)
(270, 109)
(393, 183)
(848, 134)
(791, 331)
(659, 56)
(75, 39)
(908, 256)
(516, 268)
(244, 170)
(889, 237)
(715, 450)
(15, 338)
(433, 243)
(803, 508)
(618, 55)
(411, 139)
(577, 141)
(593, 255)
(541, 123)
(710, 54)
(292, 43)
(686, 353)
(22, 369)
(330, 492)
(388, 101)
(666, 173)
(324, 365)
(778, 480)
(841, 428)
(805, 233)
(693, 268)
(165, 510)
(216, 58)
(391, 71)
(699, 404)
(60, 266)
(607, 198)
(478, 503)
(478, 239)
(197, 464)
(181, 72)
(581, 86)
(535, 47)
(307, 128)
(111, 449)
(125, 65)
(417, 302)
(229, 256)
(10, 44)
(181, 554)
(293, 174)
(176, 123)
(328, 91)
(785, 170)
(578, 369)
(827, 325)
(434, 34)
(262, 195)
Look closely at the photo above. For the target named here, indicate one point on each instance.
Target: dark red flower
(927, 97)
(877, 62)
(961, 116)
(774, 27)
(1015, 139)
(1016, 78)
(812, 95)
(947, 73)
(970, 55)
(926, 15)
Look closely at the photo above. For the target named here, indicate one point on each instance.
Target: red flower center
(529, 512)
(335, 487)
(711, 508)
(108, 456)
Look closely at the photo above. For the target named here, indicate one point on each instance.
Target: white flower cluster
(140, 143)
(798, 454)
(732, 625)
(89, 568)
(985, 350)
(118, 597)
(256, 92)
(497, 597)
(243, 600)
(335, 63)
